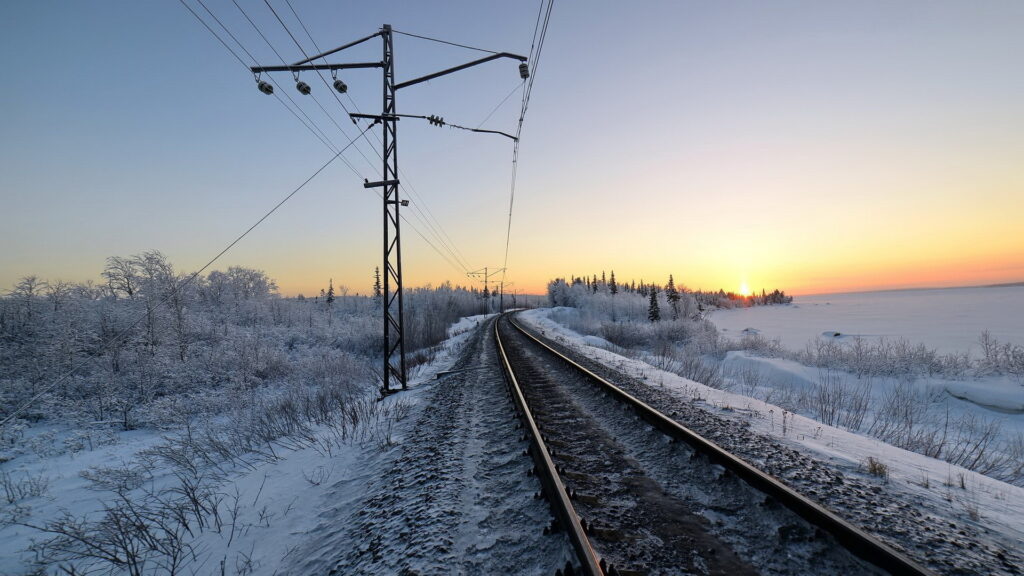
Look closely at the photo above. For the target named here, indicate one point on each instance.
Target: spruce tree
(378, 294)
(673, 297)
(593, 285)
(653, 313)
(613, 287)
(330, 292)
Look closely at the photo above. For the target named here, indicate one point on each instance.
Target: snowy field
(948, 320)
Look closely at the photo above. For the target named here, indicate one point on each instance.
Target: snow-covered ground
(987, 506)
(268, 504)
(948, 320)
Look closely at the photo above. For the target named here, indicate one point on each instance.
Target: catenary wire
(538, 42)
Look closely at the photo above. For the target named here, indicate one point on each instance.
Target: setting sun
(744, 289)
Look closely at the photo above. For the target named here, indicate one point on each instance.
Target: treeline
(150, 345)
(559, 291)
(723, 299)
(490, 299)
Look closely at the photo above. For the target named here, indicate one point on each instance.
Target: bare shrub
(698, 369)
(828, 397)
(749, 378)
(116, 479)
(837, 401)
(761, 345)
(1000, 357)
(786, 395)
(876, 467)
(856, 404)
(134, 536)
(16, 489)
(317, 476)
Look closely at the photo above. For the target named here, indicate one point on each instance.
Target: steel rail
(554, 489)
(854, 539)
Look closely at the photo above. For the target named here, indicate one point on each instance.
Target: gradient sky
(811, 146)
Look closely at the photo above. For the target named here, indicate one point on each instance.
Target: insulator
(524, 71)
(265, 87)
(302, 87)
(340, 86)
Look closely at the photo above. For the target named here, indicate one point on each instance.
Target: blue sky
(655, 134)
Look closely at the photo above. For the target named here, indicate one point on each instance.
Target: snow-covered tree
(653, 313)
(673, 297)
(378, 297)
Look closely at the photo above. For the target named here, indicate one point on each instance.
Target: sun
(744, 289)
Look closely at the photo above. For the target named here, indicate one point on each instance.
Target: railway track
(638, 493)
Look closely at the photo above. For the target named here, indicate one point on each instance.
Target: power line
(352, 141)
(330, 146)
(536, 27)
(173, 292)
(246, 66)
(319, 51)
(425, 215)
(318, 72)
(215, 35)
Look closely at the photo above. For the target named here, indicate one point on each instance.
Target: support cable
(444, 42)
(518, 86)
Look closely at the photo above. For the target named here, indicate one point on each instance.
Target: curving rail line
(854, 539)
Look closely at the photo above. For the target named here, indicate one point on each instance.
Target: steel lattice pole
(394, 317)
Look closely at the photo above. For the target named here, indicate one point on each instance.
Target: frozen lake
(949, 320)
